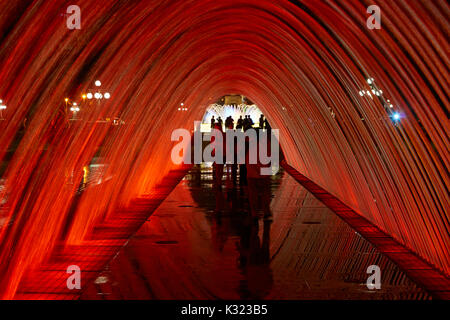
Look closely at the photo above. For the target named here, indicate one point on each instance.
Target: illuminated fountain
(225, 110)
(295, 64)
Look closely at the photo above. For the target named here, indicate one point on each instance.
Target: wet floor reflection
(204, 243)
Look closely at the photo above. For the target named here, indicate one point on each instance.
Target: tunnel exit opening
(228, 135)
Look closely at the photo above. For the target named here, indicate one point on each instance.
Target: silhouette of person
(267, 125)
(250, 121)
(245, 123)
(239, 123)
(220, 122)
(229, 123)
(213, 122)
(261, 121)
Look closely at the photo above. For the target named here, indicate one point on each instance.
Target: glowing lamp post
(376, 92)
(182, 108)
(2, 107)
(396, 116)
(98, 94)
(74, 110)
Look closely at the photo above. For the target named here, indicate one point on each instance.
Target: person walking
(245, 123)
(239, 123)
(220, 123)
(267, 125)
(261, 122)
(250, 121)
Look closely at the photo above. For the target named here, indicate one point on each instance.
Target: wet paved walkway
(201, 244)
(48, 280)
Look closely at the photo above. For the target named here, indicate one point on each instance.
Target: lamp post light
(386, 103)
(182, 108)
(2, 107)
(66, 100)
(97, 93)
(74, 110)
(396, 116)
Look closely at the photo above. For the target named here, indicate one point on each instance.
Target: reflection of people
(258, 184)
(220, 229)
(254, 260)
(196, 176)
(243, 174)
(218, 167)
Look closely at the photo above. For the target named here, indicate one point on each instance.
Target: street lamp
(97, 93)
(396, 116)
(74, 110)
(2, 107)
(386, 103)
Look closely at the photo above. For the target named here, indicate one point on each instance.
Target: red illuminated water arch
(303, 65)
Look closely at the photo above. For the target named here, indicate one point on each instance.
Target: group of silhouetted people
(258, 185)
(241, 124)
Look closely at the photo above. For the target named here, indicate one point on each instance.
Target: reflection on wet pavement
(202, 244)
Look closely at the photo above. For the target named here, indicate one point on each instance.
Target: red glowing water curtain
(299, 62)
